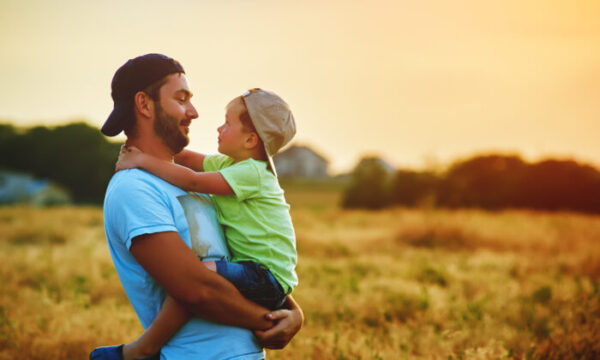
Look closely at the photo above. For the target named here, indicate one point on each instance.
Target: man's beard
(167, 128)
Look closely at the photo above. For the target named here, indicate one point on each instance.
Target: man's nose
(191, 112)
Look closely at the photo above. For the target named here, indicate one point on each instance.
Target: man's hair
(153, 91)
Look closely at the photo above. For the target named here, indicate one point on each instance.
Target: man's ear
(143, 104)
(251, 140)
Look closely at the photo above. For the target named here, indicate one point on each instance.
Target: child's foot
(107, 353)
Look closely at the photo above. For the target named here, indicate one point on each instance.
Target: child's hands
(129, 158)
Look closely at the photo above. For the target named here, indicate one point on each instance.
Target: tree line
(75, 156)
(485, 181)
(79, 158)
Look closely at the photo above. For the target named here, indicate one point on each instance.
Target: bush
(370, 185)
(412, 188)
(489, 181)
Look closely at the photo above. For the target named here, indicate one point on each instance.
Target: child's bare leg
(210, 265)
(171, 317)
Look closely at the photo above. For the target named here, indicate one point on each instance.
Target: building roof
(295, 149)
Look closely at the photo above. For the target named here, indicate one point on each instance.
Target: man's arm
(190, 159)
(173, 265)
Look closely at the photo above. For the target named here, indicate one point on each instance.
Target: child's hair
(247, 121)
(245, 118)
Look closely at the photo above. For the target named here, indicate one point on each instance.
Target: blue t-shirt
(137, 203)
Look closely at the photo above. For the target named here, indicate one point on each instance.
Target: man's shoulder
(124, 177)
(134, 178)
(136, 184)
(139, 203)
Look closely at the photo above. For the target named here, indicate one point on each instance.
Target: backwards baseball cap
(135, 75)
(273, 120)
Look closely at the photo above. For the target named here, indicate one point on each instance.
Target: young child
(249, 202)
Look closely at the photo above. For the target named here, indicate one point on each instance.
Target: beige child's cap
(272, 119)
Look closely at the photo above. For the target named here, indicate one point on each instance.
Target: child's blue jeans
(254, 282)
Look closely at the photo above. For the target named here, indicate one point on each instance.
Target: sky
(419, 83)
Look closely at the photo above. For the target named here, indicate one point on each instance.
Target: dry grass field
(393, 284)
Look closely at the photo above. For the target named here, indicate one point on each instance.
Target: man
(149, 224)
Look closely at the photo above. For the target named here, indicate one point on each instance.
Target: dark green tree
(76, 156)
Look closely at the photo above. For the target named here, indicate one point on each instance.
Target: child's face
(232, 136)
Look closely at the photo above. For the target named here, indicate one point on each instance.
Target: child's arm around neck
(180, 176)
(190, 159)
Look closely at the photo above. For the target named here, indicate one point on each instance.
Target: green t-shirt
(256, 219)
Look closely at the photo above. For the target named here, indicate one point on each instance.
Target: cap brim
(116, 120)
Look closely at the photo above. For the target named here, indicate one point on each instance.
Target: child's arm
(180, 176)
(171, 317)
(190, 159)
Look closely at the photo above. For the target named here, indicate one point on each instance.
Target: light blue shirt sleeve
(138, 207)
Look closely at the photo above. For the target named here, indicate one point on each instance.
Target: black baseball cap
(135, 75)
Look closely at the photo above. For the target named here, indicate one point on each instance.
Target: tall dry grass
(393, 284)
(59, 290)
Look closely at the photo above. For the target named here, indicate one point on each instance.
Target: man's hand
(287, 324)
(128, 158)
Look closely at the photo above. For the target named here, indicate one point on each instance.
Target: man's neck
(151, 146)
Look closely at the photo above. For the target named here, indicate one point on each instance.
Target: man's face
(174, 113)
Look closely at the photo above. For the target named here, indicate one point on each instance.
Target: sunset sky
(416, 82)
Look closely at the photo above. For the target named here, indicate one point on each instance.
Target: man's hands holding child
(287, 324)
(129, 158)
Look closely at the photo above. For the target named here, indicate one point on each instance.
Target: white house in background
(300, 161)
(19, 188)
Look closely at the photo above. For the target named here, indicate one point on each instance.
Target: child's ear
(251, 140)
